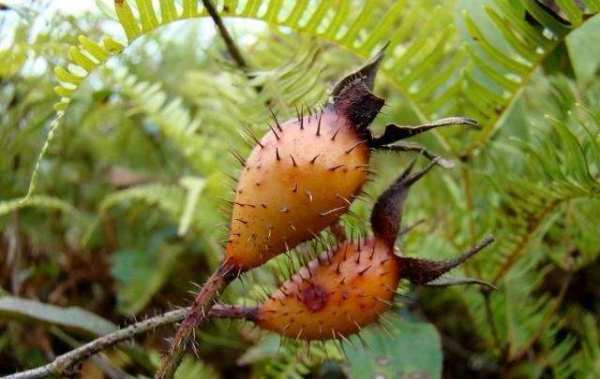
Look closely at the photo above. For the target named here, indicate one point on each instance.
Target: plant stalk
(229, 43)
(196, 316)
(63, 365)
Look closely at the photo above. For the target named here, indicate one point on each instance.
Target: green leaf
(584, 48)
(193, 369)
(194, 187)
(42, 202)
(412, 349)
(73, 318)
(266, 348)
(190, 368)
(141, 273)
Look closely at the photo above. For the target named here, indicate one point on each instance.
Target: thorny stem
(231, 46)
(63, 364)
(198, 313)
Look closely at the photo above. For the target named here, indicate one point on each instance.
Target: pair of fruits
(299, 179)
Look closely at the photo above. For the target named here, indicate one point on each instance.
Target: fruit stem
(197, 314)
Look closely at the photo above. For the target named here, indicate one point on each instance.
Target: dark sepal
(366, 74)
(387, 212)
(395, 133)
(424, 271)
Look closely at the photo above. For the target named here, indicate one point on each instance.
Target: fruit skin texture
(299, 179)
(335, 295)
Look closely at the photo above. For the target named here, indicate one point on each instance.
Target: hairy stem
(197, 314)
(63, 364)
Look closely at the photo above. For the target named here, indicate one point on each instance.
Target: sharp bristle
(354, 147)
(362, 272)
(299, 118)
(345, 200)
(253, 136)
(238, 157)
(319, 124)
(231, 177)
(310, 113)
(274, 132)
(309, 195)
(335, 134)
(275, 119)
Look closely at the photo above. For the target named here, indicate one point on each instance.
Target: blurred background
(115, 132)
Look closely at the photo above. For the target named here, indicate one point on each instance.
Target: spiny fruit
(304, 173)
(337, 294)
(351, 285)
(298, 181)
(300, 178)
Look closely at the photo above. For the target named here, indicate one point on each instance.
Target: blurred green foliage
(126, 203)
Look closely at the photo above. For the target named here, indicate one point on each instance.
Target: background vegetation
(114, 133)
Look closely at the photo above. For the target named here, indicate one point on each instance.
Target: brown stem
(231, 46)
(62, 364)
(196, 316)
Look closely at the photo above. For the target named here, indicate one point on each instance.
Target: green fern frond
(499, 74)
(12, 60)
(588, 359)
(422, 63)
(84, 58)
(168, 198)
(172, 117)
(413, 56)
(43, 202)
(192, 369)
(287, 86)
(560, 167)
(550, 169)
(178, 202)
(296, 359)
(23, 50)
(230, 104)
